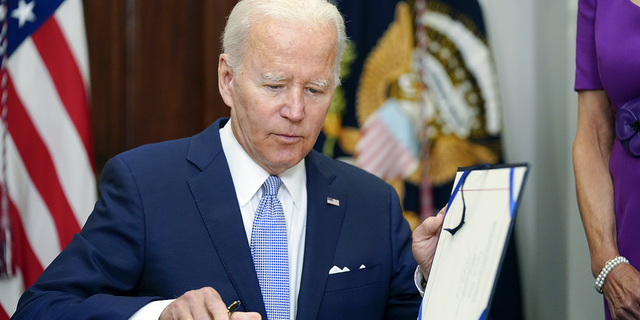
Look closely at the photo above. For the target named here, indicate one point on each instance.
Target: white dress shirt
(248, 178)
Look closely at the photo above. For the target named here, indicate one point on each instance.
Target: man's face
(280, 97)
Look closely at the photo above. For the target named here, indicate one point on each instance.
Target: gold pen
(232, 307)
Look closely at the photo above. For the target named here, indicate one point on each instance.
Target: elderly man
(245, 210)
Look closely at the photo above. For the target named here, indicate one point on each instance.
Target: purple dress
(608, 57)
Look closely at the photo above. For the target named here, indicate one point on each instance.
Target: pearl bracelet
(607, 268)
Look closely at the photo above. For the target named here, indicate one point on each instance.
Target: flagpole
(426, 195)
(6, 265)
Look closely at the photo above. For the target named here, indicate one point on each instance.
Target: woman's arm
(591, 153)
(594, 187)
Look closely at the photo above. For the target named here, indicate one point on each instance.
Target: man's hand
(622, 291)
(202, 304)
(425, 239)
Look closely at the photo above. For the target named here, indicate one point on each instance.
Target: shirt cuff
(419, 281)
(151, 310)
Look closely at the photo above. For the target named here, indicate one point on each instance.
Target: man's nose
(293, 108)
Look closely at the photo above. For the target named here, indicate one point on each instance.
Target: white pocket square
(336, 269)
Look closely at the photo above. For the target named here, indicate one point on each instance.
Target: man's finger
(214, 304)
(204, 303)
(430, 227)
(433, 226)
(245, 316)
(197, 302)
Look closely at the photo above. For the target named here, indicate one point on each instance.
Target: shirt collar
(248, 176)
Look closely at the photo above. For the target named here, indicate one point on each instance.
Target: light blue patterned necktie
(269, 251)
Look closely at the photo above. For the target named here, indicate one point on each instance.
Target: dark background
(153, 67)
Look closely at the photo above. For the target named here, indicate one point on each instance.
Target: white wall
(533, 42)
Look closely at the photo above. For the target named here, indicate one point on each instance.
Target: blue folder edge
(513, 205)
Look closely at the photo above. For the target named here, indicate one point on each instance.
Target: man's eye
(274, 86)
(312, 90)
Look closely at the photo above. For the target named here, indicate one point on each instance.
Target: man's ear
(225, 80)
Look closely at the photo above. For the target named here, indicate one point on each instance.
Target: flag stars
(24, 12)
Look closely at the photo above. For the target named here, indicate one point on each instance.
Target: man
(178, 220)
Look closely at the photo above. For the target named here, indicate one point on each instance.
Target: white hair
(246, 12)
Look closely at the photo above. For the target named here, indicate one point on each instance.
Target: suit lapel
(214, 194)
(324, 222)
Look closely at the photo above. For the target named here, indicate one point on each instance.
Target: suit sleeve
(96, 275)
(404, 297)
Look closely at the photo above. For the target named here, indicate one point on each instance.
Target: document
(477, 225)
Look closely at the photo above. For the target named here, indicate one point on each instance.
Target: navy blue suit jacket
(168, 221)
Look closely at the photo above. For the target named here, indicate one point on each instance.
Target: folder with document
(478, 223)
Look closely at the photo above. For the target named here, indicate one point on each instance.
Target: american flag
(48, 181)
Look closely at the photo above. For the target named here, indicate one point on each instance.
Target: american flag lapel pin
(332, 201)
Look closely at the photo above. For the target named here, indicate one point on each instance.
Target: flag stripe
(10, 293)
(65, 75)
(376, 151)
(368, 132)
(374, 128)
(73, 29)
(55, 127)
(369, 138)
(379, 157)
(3, 313)
(50, 176)
(380, 153)
(40, 167)
(36, 221)
(25, 258)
